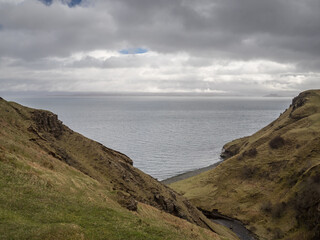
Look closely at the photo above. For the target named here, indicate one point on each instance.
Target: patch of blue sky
(133, 51)
(70, 3)
(73, 3)
(46, 2)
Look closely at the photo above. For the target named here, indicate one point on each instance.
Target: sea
(163, 135)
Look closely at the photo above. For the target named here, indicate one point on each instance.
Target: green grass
(42, 197)
(30, 208)
(279, 164)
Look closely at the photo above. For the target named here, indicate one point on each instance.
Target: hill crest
(270, 180)
(55, 180)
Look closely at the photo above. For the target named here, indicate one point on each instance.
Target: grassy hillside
(57, 184)
(271, 181)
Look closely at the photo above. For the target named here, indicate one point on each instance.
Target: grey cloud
(209, 31)
(111, 62)
(136, 61)
(243, 29)
(199, 62)
(38, 64)
(86, 62)
(32, 84)
(118, 62)
(33, 30)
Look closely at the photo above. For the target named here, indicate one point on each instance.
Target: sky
(222, 47)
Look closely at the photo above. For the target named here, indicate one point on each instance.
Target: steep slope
(57, 184)
(271, 181)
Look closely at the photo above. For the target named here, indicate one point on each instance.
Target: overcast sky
(244, 47)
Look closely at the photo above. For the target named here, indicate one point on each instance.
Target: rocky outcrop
(48, 122)
(231, 149)
(301, 106)
(300, 100)
(127, 201)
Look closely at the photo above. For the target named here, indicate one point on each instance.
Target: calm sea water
(164, 136)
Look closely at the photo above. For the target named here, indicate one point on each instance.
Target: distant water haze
(163, 135)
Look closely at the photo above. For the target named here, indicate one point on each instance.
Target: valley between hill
(57, 184)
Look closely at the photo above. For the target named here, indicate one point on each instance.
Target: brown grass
(278, 187)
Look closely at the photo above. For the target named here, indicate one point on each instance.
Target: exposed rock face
(127, 201)
(232, 148)
(301, 106)
(48, 122)
(300, 100)
(225, 153)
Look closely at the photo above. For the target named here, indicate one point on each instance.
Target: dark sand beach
(189, 174)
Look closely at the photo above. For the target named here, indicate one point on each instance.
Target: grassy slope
(57, 184)
(272, 183)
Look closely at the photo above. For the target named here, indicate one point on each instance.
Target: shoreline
(233, 224)
(189, 174)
